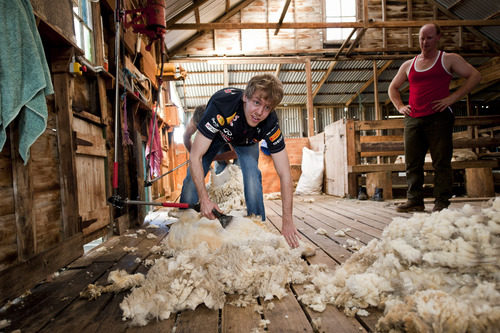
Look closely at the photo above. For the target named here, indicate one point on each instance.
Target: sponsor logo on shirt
(225, 137)
(227, 132)
(210, 128)
(214, 122)
(275, 135)
(229, 91)
(278, 141)
(220, 119)
(229, 119)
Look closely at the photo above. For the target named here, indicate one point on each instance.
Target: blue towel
(24, 75)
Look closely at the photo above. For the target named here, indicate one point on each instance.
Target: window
(82, 19)
(339, 11)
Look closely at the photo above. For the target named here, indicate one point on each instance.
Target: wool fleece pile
(431, 272)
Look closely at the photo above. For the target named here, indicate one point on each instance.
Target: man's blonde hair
(269, 84)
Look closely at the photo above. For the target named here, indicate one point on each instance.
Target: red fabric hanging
(154, 153)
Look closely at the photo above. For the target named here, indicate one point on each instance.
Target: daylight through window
(339, 11)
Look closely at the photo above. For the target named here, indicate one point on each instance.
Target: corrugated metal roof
(252, 67)
(476, 10)
(347, 76)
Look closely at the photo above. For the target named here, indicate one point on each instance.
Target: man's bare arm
(400, 78)
(456, 64)
(200, 146)
(282, 166)
(190, 129)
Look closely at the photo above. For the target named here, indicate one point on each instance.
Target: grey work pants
(434, 133)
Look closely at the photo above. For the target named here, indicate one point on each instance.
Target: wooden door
(91, 180)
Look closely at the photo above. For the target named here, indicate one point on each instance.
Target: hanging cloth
(125, 135)
(154, 153)
(24, 75)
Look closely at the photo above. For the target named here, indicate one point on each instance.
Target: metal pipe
(117, 95)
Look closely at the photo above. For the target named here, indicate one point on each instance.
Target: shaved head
(436, 27)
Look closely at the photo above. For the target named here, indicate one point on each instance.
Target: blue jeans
(248, 157)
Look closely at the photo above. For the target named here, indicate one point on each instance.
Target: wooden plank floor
(55, 305)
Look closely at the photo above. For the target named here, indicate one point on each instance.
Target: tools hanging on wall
(149, 21)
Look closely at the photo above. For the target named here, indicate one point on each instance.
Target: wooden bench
(360, 145)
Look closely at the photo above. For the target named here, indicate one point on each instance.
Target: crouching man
(242, 118)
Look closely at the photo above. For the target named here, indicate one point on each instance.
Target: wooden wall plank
(63, 87)
(22, 176)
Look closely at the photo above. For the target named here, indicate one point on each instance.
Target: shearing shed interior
(96, 98)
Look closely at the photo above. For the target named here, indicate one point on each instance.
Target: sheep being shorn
(438, 272)
(210, 262)
(226, 188)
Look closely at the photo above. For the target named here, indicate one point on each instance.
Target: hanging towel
(154, 153)
(24, 75)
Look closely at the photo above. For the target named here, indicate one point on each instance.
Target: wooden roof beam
(283, 13)
(195, 5)
(356, 41)
(325, 25)
(345, 43)
(470, 27)
(278, 70)
(367, 84)
(221, 19)
(456, 3)
(324, 78)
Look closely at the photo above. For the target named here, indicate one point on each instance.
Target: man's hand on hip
(406, 109)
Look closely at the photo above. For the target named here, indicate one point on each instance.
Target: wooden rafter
(356, 41)
(453, 5)
(282, 17)
(345, 43)
(324, 78)
(290, 56)
(197, 15)
(409, 4)
(228, 14)
(470, 27)
(367, 84)
(278, 70)
(324, 25)
(493, 15)
(195, 5)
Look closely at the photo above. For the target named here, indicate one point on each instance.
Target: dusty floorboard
(55, 305)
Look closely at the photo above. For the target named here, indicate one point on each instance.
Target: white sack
(311, 179)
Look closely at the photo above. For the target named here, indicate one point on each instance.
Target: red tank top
(428, 85)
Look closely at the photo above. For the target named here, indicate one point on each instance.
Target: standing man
(428, 116)
(242, 118)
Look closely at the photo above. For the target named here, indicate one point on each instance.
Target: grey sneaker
(411, 206)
